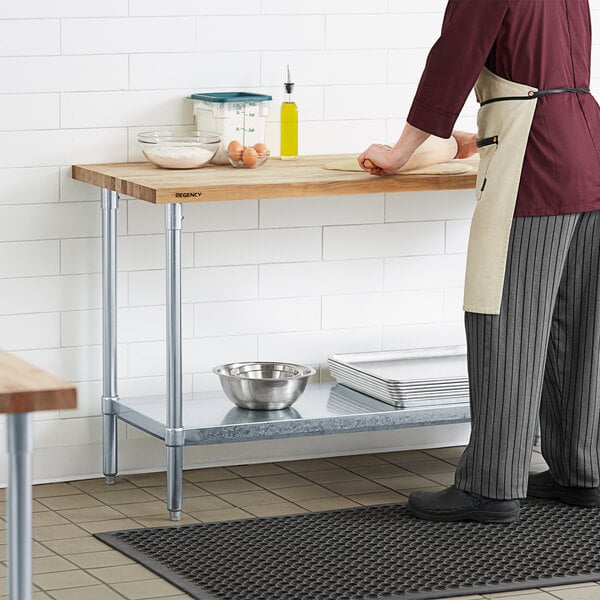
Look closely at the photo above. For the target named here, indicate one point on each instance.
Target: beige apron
(503, 132)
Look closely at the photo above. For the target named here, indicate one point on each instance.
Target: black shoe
(453, 504)
(543, 485)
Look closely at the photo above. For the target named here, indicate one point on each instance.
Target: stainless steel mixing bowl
(263, 385)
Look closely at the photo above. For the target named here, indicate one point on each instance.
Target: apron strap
(537, 94)
(489, 141)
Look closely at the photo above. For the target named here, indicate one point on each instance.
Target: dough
(447, 168)
(433, 157)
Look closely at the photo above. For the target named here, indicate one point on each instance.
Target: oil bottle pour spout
(289, 85)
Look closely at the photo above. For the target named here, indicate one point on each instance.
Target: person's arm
(467, 143)
(388, 160)
(455, 62)
(468, 34)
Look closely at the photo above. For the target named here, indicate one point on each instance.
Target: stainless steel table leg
(110, 204)
(19, 445)
(174, 434)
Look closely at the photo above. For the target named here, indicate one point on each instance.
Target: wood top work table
(208, 417)
(24, 389)
(275, 179)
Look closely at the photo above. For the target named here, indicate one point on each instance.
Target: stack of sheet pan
(406, 378)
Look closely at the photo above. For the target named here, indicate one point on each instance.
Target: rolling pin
(433, 151)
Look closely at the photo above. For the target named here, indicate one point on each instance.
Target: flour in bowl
(182, 157)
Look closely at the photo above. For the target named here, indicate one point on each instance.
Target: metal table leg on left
(110, 204)
(19, 526)
(174, 432)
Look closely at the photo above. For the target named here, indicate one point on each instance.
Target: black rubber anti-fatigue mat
(376, 552)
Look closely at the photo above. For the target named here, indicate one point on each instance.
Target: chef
(532, 285)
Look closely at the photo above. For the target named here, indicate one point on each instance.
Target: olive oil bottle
(289, 123)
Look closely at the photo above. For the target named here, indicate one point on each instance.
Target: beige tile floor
(69, 564)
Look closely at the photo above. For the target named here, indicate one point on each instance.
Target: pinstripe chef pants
(540, 355)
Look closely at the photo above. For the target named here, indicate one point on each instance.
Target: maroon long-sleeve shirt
(543, 43)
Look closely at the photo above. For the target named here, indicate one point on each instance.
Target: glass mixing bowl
(181, 149)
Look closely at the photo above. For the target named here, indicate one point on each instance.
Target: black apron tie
(538, 94)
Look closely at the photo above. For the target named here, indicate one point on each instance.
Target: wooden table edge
(27, 388)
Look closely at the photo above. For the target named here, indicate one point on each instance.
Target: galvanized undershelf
(323, 409)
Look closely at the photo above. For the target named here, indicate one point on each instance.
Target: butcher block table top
(275, 179)
(26, 388)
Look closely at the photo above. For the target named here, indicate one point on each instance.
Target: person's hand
(385, 160)
(467, 145)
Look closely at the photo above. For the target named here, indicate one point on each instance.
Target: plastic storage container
(238, 116)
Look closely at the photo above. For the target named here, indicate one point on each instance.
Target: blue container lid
(231, 97)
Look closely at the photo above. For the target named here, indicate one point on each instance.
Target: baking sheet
(391, 392)
(338, 401)
(398, 385)
(341, 397)
(409, 366)
(403, 403)
(400, 400)
(406, 378)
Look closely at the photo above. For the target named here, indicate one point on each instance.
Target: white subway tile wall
(38, 74)
(30, 186)
(35, 37)
(314, 347)
(283, 279)
(40, 9)
(29, 111)
(321, 210)
(128, 34)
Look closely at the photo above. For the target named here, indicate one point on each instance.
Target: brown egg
(261, 148)
(235, 150)
(250, 157)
